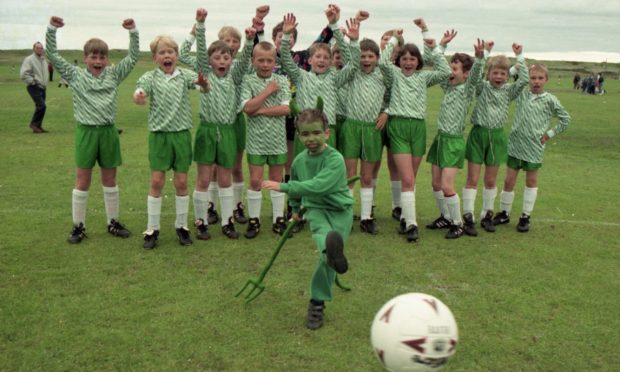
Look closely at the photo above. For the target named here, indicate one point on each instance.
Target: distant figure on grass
(486, 143)
(318, 182)
(35, 74)
(94, 90)
(526, 143)
(170, 140)
(576, 81)
(50, 70)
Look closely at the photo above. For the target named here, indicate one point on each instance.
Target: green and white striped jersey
(220, 105)
(266, 135)
(408, 93)
(170, 109)
(491, 108)
(310, 85)
(531, 123)
(94, 97)
(452, 117)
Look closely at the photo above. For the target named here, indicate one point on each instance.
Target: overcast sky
(585, 30)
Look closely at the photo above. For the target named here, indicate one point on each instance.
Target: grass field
(544, 300)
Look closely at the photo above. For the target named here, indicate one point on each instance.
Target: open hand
(353, 29)
(289, 23)
(447, 37)
(479, 48)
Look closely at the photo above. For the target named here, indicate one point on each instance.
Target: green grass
(538, 301)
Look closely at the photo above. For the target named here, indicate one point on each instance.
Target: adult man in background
(35, 74)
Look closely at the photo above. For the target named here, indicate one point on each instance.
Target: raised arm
(124, 67)
(350, 66)
(488, 46)
(64, 68)
(441, 69)
(201, 43)
(523, 80)
(289, 66)
(239, 69)
(475, 74)
(185, 49)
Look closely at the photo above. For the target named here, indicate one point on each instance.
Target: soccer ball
(414, 332)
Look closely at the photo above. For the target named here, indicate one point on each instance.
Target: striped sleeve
(124, 67)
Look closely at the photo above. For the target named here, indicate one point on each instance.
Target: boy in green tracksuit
(447, 153)
(318, 183)
(94, 91)
(170, 141)
(526, 144)
(486, 143)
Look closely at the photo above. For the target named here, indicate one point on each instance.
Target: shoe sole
(335, 252)
(490, 228)
(368, 231)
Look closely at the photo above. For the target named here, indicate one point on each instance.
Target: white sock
(213, 191)
(529, 198)
(277, 204)
(366, 202)
(505, 201)
(440, 200)
(226, 203)
(238, 192)
(110, 199)
(396, 187)
(153, 207)
(469, 199)
(78, 206)
(201, 204)
(454, 206)
(254, 203)
(182, 208)
(488, 201)
(407, 199)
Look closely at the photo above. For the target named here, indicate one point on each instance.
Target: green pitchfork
(256, 283)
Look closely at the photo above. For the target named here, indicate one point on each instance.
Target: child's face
(458, 75)
(264, 62)
(408, 64)
(278, 41)
(337, 60)
(220, 62)
(368, 61)
(498, 77)
(233, 43)
(313, 136)
(538, 79)
(95, 63)
(166, 58)
(320, 61)
(384, 40)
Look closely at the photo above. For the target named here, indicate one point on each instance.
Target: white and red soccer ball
(414, 332)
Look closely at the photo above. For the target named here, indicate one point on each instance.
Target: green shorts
(279, 159)
(361, 140)
(487, 146)
(97, 144)
(170, 150)
(517, 164)
(407, 136)
(340, 119)
(215, 144)
(447, 151)
(240, 125)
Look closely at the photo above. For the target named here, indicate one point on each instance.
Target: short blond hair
(266, 46)
(164, 40)
(229, 31)
(541, 68)
(500, 62)
(315, 47)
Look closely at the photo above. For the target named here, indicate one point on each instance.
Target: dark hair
(465, 60)
(278, 28)
(219, 46)
(371, 45)
(413, 50)
(311, 116)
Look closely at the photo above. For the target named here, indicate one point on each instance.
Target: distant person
(50, 70)
(35, 74)
(601, 80)
(576, 81)
(94, 91)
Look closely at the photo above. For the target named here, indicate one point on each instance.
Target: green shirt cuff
(284, 187)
